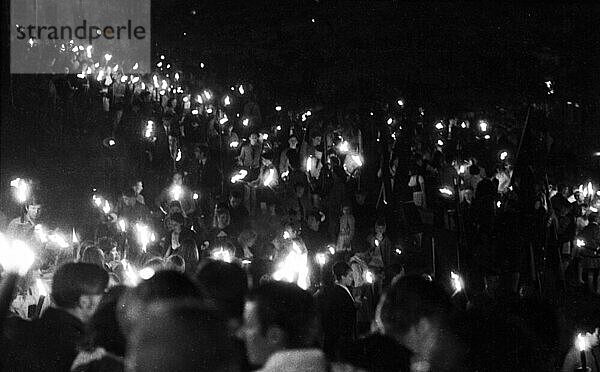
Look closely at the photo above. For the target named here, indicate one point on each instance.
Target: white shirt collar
(347, 290)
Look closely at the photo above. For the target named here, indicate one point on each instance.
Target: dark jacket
(183, 235)
(338, 318)
(239, 217)
(47, 344)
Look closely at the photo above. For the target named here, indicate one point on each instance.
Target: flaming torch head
(21, 189)
(321, 259)
(369, 277)
(581, 342)
(106, 207)
(15, 256)
(122, 225)
(176, 192)
(457, 282)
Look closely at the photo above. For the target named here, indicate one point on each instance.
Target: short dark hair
(380, 222)
(474, 170)
(267, 154)
(166, 285)
(287, 306)
(340, 269)
(34, 199)
(93, 255)
(410, 299)
(226, 284)
(207, 345)
(73, 280)
(163, 285)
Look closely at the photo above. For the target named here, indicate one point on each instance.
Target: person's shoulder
(14, 222)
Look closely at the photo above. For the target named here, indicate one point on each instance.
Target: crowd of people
(235, 245)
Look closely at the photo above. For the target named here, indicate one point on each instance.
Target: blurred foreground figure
(181, 336)
(50, 343)
(417, 313)
(281, 329)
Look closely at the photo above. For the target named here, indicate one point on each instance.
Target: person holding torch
(176, 191)
(263, 188)
(22, 227)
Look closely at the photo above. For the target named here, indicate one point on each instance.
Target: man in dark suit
(338, 310)
(50, 343)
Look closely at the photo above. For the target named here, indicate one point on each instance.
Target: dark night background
(449, 58)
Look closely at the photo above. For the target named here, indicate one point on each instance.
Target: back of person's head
(181, 336)
(474, 170)
(289, 308)
(380, 222)
(226, 284)
(409, 300)
(376, 353)
(163, 285)
(267, 154)
(175, 262)
(94, 256)
(484, 188)
(340, 269)
(72, 281)
(103, 328)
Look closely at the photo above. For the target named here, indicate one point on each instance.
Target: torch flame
(41, 287)
(269, 179)
(176, 192)
(122, 225)
(240, 176)
(15, 256)
(457, 282)
(581, 342)
(446, 191)
(321, 259)
(106, 207)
